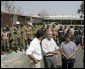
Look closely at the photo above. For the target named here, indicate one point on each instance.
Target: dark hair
(40, 33)
(68, 36)
(71, 26)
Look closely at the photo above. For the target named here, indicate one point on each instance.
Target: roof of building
(54, 17)
(64, 17)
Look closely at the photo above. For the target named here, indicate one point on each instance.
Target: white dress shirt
(49, 45)
(35, 49)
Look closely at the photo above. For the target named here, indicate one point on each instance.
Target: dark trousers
(67, 63)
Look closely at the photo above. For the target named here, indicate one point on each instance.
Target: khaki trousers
(37, 65)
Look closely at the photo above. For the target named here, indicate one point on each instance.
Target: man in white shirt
(34, 50)
(50, 49)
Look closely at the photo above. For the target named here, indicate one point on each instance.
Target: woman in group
(69, 49)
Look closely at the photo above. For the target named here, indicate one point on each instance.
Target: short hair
(40, 33)
(71, 26)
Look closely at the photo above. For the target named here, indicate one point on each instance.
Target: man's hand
(61, 50)
(35, 61)
(55, 52)
(33, 58)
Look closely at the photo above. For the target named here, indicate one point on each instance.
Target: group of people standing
(15, 37)
(44, 47)
(44, 44)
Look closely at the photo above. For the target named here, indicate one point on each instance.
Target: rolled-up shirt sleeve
(57, 47)
(30, 49)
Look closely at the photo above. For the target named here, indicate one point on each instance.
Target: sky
(51, 7)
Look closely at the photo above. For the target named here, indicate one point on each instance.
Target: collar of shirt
(37, 39)
(48, 39)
